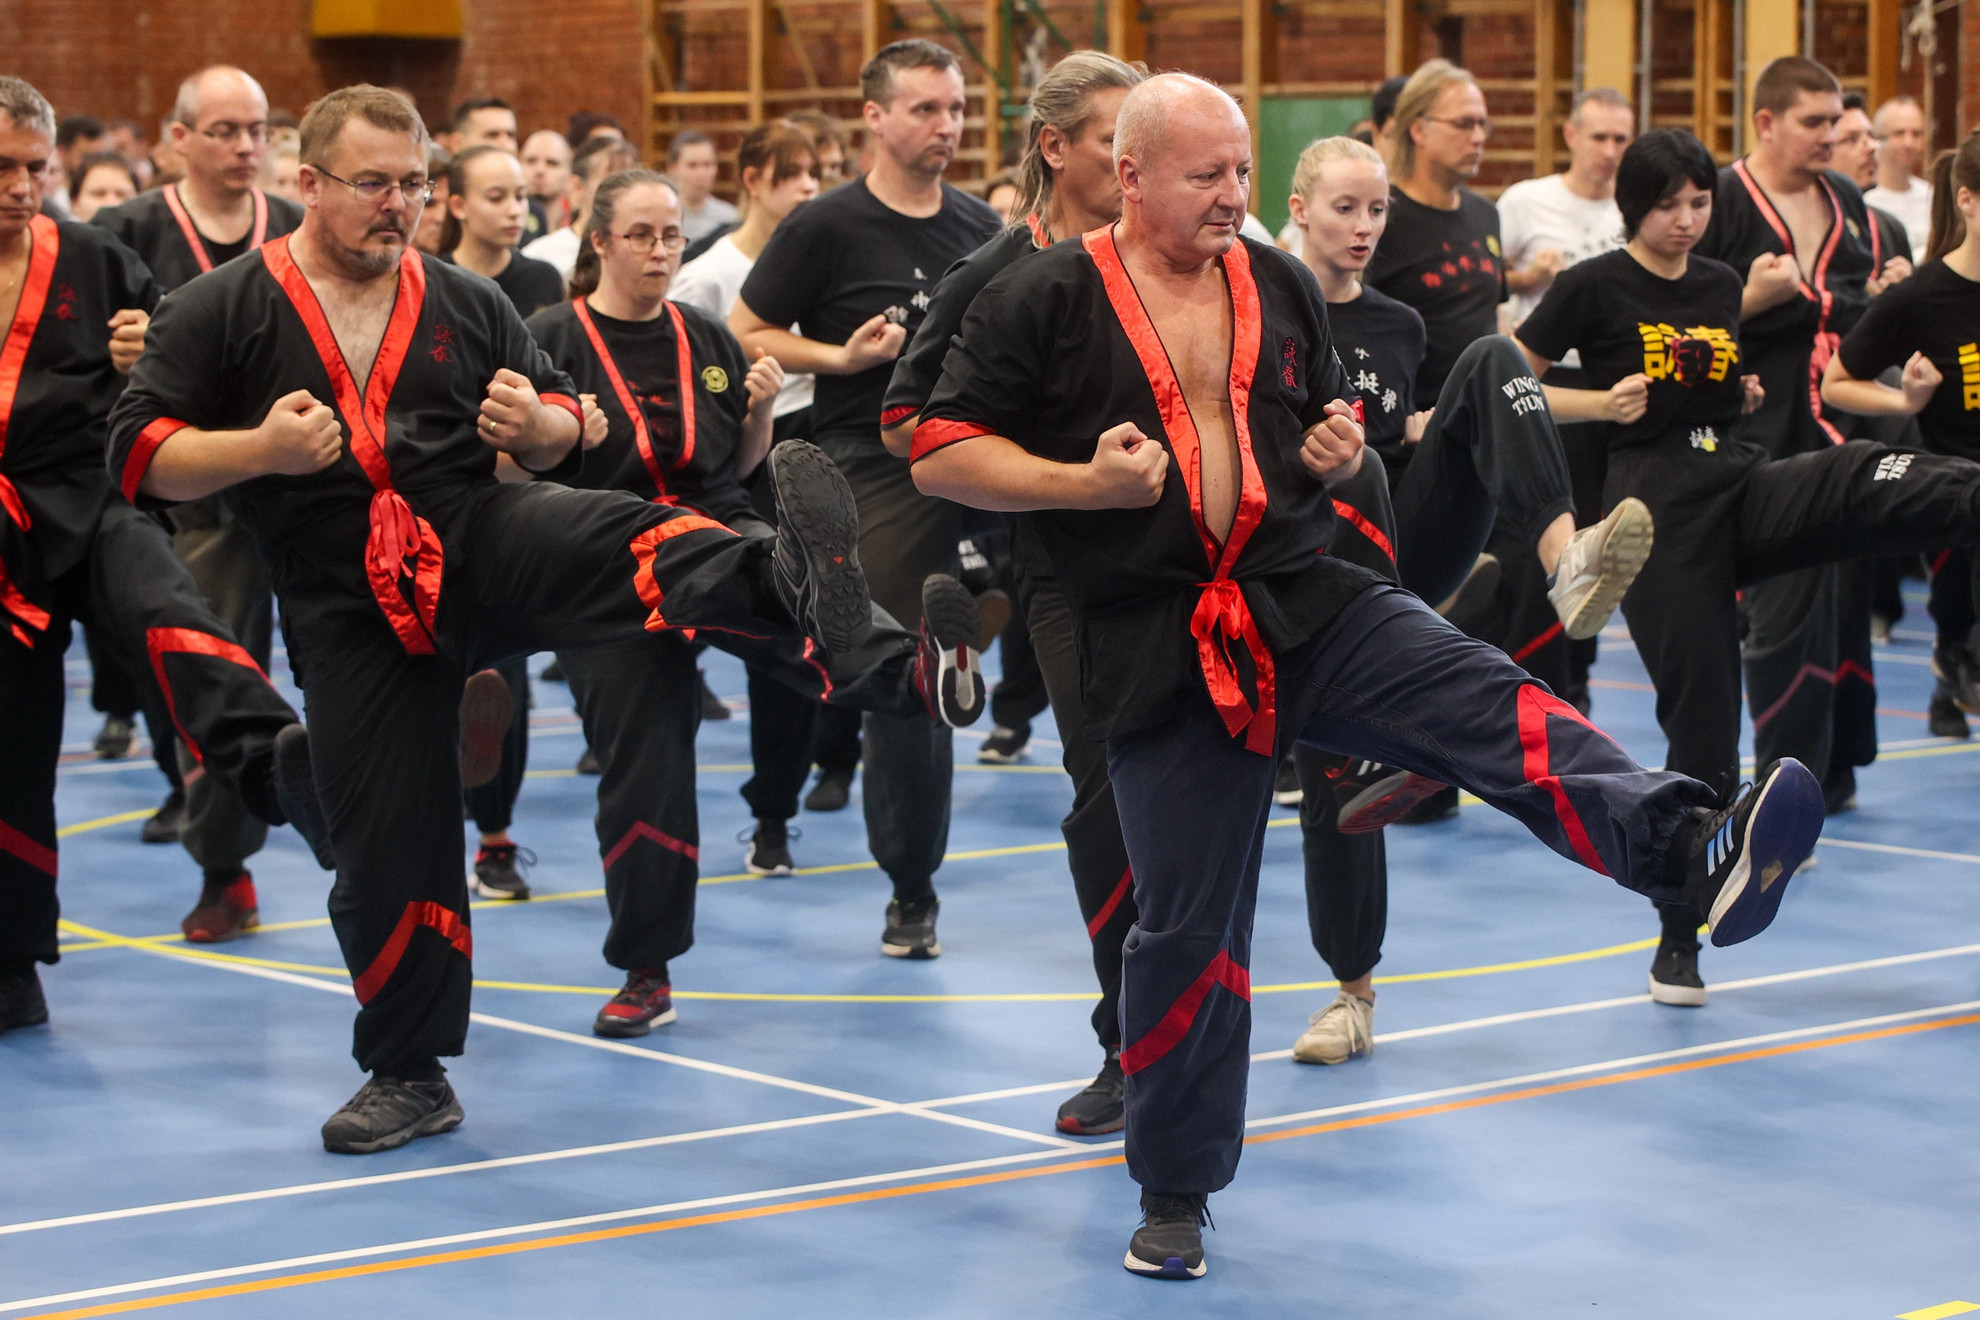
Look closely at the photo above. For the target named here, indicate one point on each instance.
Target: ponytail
(1951, 171)
(604, 205)
(1064, 99)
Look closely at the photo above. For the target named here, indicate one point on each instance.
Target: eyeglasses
(642, 241)
(1468, 125)
(417, 192)
(256, 132)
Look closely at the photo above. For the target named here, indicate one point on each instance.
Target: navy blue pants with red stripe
(1389, 681)
(526, 568)
(140, 603)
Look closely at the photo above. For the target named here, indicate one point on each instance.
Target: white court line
(1829, 841)
(936, 1171)
(919, 1107)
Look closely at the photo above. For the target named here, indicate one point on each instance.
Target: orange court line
(977, 1180)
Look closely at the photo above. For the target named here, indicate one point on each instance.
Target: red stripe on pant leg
(1807, 671)
(1850, 667)
(161, 642)
(641, 830)
(1534, 707)
(1175, 1024)
(444, 920)
(1113, 903)
(34, 854)
(1519, 656)
(1939, 562)
(643, 547)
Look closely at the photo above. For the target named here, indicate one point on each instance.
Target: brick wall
(118, 58)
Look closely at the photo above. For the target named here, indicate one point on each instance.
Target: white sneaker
(1343, 1030)
(1597, 567)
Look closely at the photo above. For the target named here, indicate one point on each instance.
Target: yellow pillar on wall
(1773, 29)
(1608, 45)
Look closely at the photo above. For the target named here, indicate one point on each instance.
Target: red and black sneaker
(227, 908)
(949, 667)
(487, 706)
(1369, 795)
(646, 1002)
(499, 871)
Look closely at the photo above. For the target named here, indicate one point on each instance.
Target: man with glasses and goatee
(219, 125)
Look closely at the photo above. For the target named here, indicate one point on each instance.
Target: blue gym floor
(827, 1132)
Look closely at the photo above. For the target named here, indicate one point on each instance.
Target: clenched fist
(1127, 470)
(878, 341)
(1331, 450)
(596, 427)
(1921, 380)
(765, 379)
(1628, 399)
(510, 406)
(299, 436)
(127, 338)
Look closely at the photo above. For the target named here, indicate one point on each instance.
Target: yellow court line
(105, 822)
(158, 943)
(878, 1194)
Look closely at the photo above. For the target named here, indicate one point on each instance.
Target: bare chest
(1809, 219)
(13, 278)
(1196, 334)
(358, 321)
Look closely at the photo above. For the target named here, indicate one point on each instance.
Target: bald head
(1172, 108)
(219, 125)
(216, 83)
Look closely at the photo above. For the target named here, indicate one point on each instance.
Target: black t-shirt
(1936, 312)
(150, 226)
(1380, 342)
(844, 258)
(699, 471)
(920, 364)
(1045, 359)
(529, 284)
(1625, 319)
(57, 395)
(224, 348)
(1447, 265)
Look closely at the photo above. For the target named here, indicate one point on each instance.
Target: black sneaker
(1442, 805)
(390, 1111)
(295, 793)
(769, 851)
(487, 706)
(1943, 717)
(1169, 1243)
(832, 791)
(588, 763)
(113, 740)
(712, 706)
(1101, 1107)
(163, 827)
(1674, 975)
(1004, 746)
(1742, 858)
(1959, 675)
(910, 930)
(816, 561)
(948, 668)
(1370, 795)
(498, 870)
(21, 1001)
(646, 1002)
(1285, 787)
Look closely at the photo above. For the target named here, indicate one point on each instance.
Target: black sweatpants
(527, 568)
(1951, 600)
(219, 832)
(1728, 518)
(1390, 681)
(144, 609)
(910, 761)
(119, 691)
(1586, 445)
(493, 805)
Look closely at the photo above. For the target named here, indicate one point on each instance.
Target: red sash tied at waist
(398, 535)
(1221, 619)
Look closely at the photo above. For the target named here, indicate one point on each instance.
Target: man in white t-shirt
(597, 158)
(1549, 224)
(1900, 128)
(692, 165)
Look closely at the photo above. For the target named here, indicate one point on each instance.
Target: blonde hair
(1419, 94)
(1324, 151)
(1064, 100)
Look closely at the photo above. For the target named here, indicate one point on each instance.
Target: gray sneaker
(1343, 1030)
(1598, 566)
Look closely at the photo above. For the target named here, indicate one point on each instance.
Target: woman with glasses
(680, 418)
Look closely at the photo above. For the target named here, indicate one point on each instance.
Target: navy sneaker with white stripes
(1742, 858)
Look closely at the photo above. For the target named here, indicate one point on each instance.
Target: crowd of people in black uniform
(1334, 519)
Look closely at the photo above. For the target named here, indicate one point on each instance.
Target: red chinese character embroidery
(443, 339)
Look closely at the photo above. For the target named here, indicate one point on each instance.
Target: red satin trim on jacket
(138, 461)
(933, 435)
(402, 555)
(1221, 618)
(1366, 526)
(450, 926)
(177, 207)
(642, 437)
(44, 245)
(1815, 290)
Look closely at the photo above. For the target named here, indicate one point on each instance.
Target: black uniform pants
(144, 609)
(527, 568)
(116, 690)
(219, 831)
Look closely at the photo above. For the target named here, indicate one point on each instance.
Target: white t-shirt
(559, 248)
(1545, 213)
(710, 216)
(1912, 207)
(711, 282)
